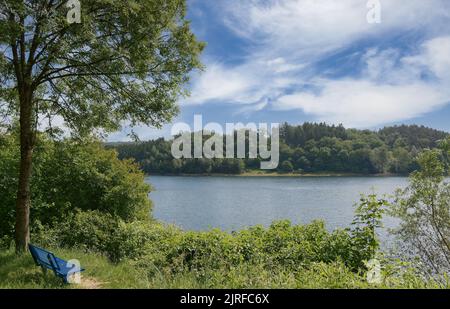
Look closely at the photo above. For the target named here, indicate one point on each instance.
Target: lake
(233, 203)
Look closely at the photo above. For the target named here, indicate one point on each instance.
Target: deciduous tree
(126, 60)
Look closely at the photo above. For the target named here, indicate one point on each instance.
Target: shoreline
(276, 174)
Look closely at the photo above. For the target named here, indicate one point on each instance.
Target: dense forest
(306, 148)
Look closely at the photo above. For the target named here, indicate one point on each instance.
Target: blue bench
(47, 260)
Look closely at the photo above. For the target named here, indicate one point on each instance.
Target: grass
(20, 272)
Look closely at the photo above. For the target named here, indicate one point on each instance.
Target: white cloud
(359, 103)
(387, 93)
(310, 28)
(380, 63)
(435, 57)
(248, 109)
(218, 82)
(244, 84)
(289, 36)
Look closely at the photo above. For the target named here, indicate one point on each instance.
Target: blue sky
(318, 60)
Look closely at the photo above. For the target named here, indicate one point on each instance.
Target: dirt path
(90, 283)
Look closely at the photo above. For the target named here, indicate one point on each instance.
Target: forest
(306, 148)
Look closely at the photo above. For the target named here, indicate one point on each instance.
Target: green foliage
(170, 249)
(69, 176)
(304, 148)
(145, 253)
(20, 272)
(83, 175)
(424, 210)
(158, 256)
(89, 204)
(287, 167)
(96, 231)
(368, 218)
(8, 188)
(125, 60)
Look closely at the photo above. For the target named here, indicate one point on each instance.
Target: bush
(287, 167)
(368, 218)
(424, 212)
(95, 231)
(68, 176)
(8, 189)
(71, 175)
(280, 245)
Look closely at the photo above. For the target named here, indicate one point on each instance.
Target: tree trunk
(23, 202)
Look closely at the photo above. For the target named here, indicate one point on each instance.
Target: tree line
(306, 148)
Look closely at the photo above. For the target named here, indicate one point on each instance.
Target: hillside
(306, 148)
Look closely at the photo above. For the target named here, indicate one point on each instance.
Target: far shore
(277, 174)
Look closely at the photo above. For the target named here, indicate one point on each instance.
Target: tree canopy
(310, 147)
(125, 61)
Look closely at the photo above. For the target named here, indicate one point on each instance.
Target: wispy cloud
(244, 84)
(314, 27)
(361, 103)
(288, 38)
(392, 89)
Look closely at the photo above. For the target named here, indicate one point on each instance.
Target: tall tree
(125, 60)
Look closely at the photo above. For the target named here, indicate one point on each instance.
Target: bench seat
(47, 260)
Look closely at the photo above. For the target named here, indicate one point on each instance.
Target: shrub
(72, 175)
(68, 176)
(287, 167)
(8, 179)
(424, 212)
(280, 245)
(368, 218)
(95, 231)
(165, 247)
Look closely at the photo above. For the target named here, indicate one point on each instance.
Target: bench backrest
(43, 257)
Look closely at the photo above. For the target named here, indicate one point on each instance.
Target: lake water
(233, 203)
